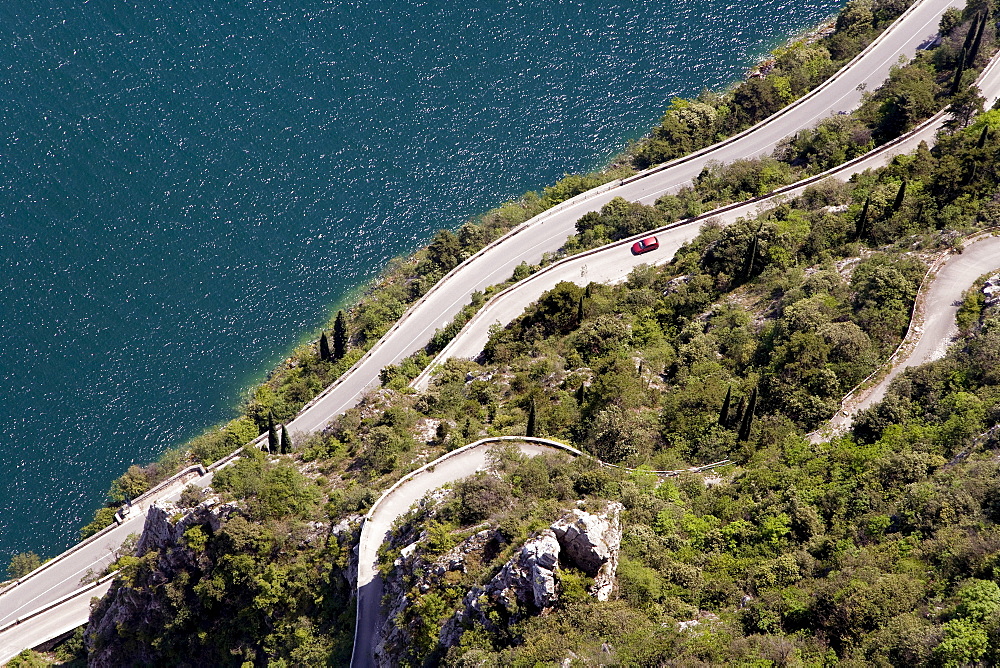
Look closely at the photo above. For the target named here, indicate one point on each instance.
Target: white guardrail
(536, 220)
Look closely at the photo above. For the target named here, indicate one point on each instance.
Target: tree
(129, 485)
(863, 218)
(441, 434)
(286, 441)
(23, 563)
(964, 643)
(445, 251)
(747, 422)
(965, 105)
(272, 434)
(976, 44)
(616, 435)
(970, 37)
(324, 347)
(724, 413)
(339, 337)
(532, 417)
(899, 196)
(959, 71)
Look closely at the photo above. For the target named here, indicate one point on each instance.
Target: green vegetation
(791, 72)
(878, 547)
(268, 583)
(313, 367)
(23, 563)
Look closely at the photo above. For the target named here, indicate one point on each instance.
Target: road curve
(941, 299)
(548, 231)
(613, 263)
(396, 501)
(527, 243)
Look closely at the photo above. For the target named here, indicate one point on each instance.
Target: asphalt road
(939, 328)
(548, 231)
(614, 262)
(380, 520)
(545, 233)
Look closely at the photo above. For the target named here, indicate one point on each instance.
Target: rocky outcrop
(166, 524)
(122, 626)
(991, 291)
(528, 582)
(591, 543)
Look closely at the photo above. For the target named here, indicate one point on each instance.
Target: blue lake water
(187, 190)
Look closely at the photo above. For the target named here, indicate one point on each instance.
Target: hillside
(875, 548)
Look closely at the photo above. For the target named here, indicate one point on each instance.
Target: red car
(645, 245)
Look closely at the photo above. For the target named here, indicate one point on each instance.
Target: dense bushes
(794, 70)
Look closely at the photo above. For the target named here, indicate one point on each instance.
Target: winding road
(455, 465)
(941, 300)
(28, 609)
(613, 263)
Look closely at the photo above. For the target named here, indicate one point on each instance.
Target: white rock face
(534, 571)
(527, 583)
(992, 290)
(159, 531)
(592, 542)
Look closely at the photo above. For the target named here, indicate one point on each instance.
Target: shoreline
(355, 296)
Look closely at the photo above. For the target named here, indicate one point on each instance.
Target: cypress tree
(899, 196)
(530, 431)
(339, 336)
(983, 136)
(751, 256)
(286, 441)
(441, 435)
(971, 168)
(581, 395)
(747, 422)
(738, 415)
(324, 347)
(272, 434)
(978, 42)
(579, 311)
(863, 218)
(724, 413)
(970, 37)
(959, 71)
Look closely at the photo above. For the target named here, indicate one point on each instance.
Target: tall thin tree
(970, 37)
(736, 417)
(324, 347)
(976, 44)
(724, 413)
(532, 417)
(339, 336)
(959, 71)
(863, 218)
(272, 434)
(286, 441)
(747, 422)
(900, 195)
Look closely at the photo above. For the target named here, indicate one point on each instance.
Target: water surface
(186, 190)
